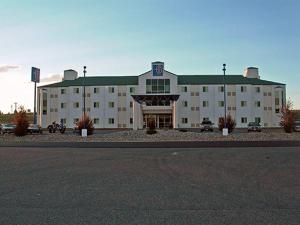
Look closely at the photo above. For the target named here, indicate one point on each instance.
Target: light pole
(84, 72)
(224, 70)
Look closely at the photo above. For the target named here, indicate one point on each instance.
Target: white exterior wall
(269, 118)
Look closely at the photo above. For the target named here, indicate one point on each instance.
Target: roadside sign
(35, 74)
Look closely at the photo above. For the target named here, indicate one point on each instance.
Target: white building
(177, 101)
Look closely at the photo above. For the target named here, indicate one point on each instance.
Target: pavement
(136, 186)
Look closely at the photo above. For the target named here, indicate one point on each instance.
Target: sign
(158, 69)
(35, 74)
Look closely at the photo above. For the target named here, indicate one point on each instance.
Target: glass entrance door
(161, 120)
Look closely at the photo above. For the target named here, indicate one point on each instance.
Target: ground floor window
(244, 120)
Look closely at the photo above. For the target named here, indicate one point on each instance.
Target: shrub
(288, 117)
(21, 122)
(151, 126)
(86, 123)
(230, 123)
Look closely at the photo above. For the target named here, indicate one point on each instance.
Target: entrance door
(161, 120)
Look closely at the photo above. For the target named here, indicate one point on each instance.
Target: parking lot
(139, 186)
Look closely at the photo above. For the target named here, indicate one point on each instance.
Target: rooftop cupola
(70, 75)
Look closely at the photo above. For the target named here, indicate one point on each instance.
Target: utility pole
(224, 70)
(84, 72)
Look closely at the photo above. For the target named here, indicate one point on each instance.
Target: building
(174, 101)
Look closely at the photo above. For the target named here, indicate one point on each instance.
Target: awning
(143, 98)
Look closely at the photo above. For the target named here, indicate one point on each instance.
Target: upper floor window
(131, 89)
(243, 89)
(111, 90)
(157, 86)
(205, 89)
(76, 90)
(221, 88)
(257, 89)
(96, 90)
(184, 89)
(62, 91)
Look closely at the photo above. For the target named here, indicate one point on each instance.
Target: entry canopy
(144, 98)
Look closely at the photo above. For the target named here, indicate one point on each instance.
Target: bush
(151, 126)
(21, 122)
(86, 123)
(288, 117)
(230, 123)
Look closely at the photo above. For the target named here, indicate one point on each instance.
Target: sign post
(35, 77)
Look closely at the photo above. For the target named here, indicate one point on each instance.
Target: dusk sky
(117, 37)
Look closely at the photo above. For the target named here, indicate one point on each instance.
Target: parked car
(34, 128)
(206, 125)
(7, 128)
(253, 126)
(297, 125)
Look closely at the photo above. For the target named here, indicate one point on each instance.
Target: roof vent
(70, 75)
(251, 72)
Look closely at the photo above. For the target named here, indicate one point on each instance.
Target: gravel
(161, 135)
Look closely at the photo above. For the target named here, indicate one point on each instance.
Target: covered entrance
(161, 120)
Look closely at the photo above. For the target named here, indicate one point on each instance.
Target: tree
(21, 121)
(230, 123)
(86, 123)
(288, 117)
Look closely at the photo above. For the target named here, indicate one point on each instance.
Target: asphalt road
(69, 186)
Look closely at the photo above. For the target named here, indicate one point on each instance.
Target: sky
(118, 37)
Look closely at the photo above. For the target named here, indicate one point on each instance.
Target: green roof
(182, 80)
(219, 79)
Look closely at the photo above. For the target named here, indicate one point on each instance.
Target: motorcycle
(52, 128)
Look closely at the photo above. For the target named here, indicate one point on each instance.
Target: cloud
(6, 68)
(52, 78)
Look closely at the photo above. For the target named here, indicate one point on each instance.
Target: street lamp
(224, 70)
(84, 72)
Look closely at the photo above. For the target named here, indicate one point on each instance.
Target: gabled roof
(182, 80)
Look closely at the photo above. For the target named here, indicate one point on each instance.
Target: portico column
(175, 115)
(137, 116)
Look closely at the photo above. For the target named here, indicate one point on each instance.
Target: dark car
(253, 126)
(206, 126)
(34, 128)
(7, 128)
(297, 125)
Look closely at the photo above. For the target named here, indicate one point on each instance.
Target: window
(96, 104)
(221, 103)
(185, 103)
(62, 91)
(197, 108)
(257, 104)
(205, 103)
(76, 90)
(124, 94)
(233, 93)
(257, 120)
(76, 105)
(96, 121)
(131, 120)
(111, 121)
(221, 88)
(228, 93)
(157, 86)
(63, 120)
(192, 93)
(205, 118)
(243, 103)
(269, 94)
(276, 101)
(51, 96)
(205, 89)
(265, 108)
(244, 120)
(130, 104)
(257, 89)
(265, 93)
(229, 108)
(96, 90)
(184, 89)
(243, 88)
(111, 104)
(192, 108)
(111, 90)
(75, 120)
(270, 108)
(184, 120)
(277, 110)
(63, 105)
(131, 90)
(119, 94)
